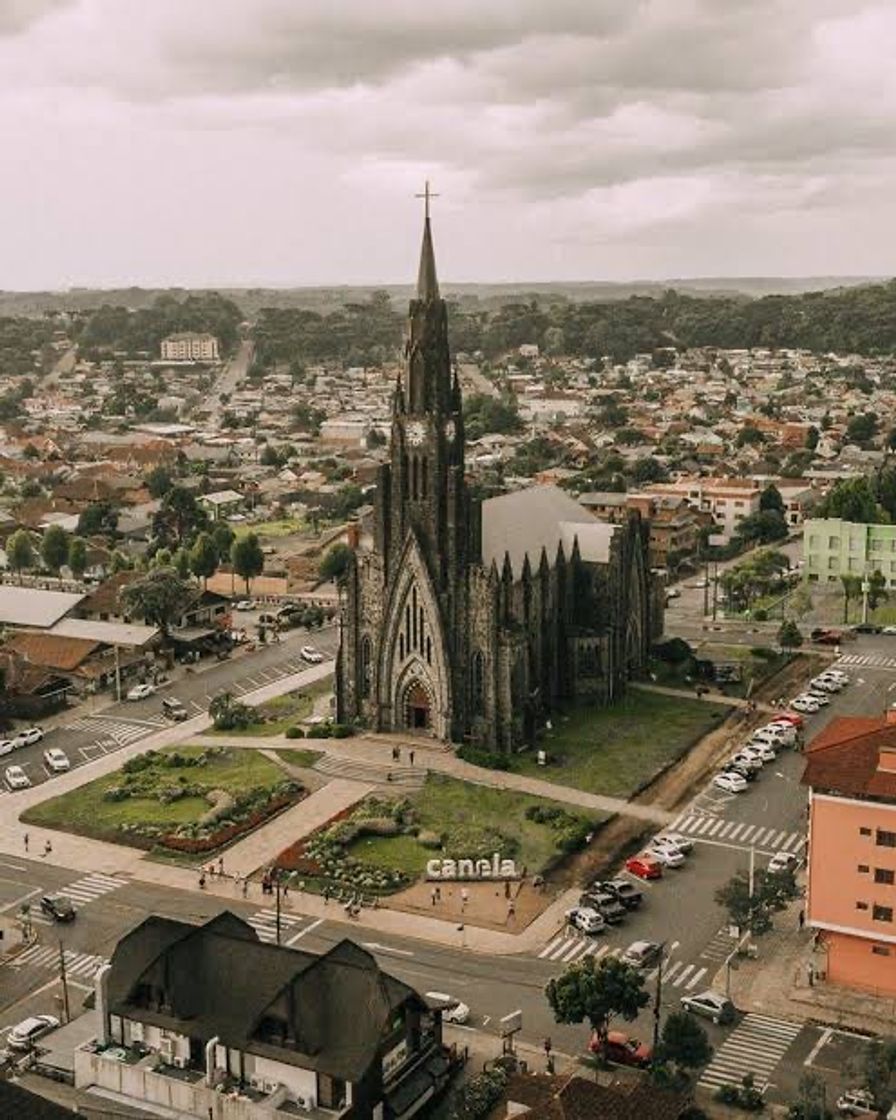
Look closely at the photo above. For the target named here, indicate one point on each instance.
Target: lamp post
(657, 998)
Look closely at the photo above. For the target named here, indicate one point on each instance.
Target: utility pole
(64, 979)
(706, 588)
(277, 890)
(657, 998)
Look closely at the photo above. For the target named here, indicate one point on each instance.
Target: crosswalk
(705, 827)
(116, 732)
(81, 892)
(85, 965)
(719, 947)
(566, 948)
(870, 660)
(755, 1046)
(264, 922)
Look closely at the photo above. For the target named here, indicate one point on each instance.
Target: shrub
(342, 730)
(763, 653)
(489, 760)
(675, 651)
(760, 615)
(139, 762)
(322, 731)
(116, 793)
(294, 733)
(428, 839)
(475, 1099)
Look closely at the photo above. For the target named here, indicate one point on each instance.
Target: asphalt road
(85, 734)
(678, 910)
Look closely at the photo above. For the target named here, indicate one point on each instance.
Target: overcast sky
(281, 142)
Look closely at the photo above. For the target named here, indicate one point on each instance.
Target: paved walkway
(707, 697)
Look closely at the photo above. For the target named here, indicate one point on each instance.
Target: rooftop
(108, 633)
(847, 756)
(29, 606)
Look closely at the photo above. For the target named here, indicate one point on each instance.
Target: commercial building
(728, 500)
(188, 346)
(851, 893)
(833, 548)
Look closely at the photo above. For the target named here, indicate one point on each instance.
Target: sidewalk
(711, 697)
(777, 983)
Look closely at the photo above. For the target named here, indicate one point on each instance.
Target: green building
(833, 548)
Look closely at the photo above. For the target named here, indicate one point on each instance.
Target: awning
(192, 634)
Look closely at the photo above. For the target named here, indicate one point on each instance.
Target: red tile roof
(844, 758)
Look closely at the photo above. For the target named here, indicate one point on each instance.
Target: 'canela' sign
(494, 868)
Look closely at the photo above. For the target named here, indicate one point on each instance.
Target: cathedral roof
(543, 517)
(427, 281)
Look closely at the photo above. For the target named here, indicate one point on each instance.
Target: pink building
(851, 895)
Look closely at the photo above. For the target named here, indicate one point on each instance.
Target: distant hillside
(485, 296)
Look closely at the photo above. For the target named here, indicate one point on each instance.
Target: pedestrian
(438, 894)
(245, 886)
(220, 865)
(26, 841)
(411, 757)
(326, 894)
(395, 754)
(802, 918)
(398, 754)
(810, 972)
(464, 898)
(507, 888)
(202, 880)
(285, 891)
(432, 895)
(511, 910)
(48, 847)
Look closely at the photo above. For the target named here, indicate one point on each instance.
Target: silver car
(711, 1005)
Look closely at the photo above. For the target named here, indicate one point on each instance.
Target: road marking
(13, 866)
(386, 949)
(696, 978)
(19, 901)
(736, 831)
(671, 971)
(307, 929)
(551, 945)
(751, 828)
(715, 828)
(813, 1053)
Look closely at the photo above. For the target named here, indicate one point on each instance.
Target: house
(33, 608)
(209, 1020)
(833, 548)
(221, 504)
(674, 523)
(851, 893)
(728, 500)
(536, 1096)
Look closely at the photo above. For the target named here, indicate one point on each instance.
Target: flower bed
(226, 835)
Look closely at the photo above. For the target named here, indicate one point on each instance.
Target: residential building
(833, 548)
(208, 1020)
(674, 525)
(728, 500)
(539, 1096)
(851, 895)
(221, 504)
(189, 346)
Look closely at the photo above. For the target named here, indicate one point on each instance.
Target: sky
(282, 142)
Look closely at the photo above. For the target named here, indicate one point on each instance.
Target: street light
(657, 997)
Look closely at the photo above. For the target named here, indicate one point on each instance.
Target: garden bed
(190, 800)
(277, 715)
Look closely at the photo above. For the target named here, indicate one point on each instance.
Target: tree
(54, 547)
(229, 714)
(853, 500)
(334, 566)
(877, 589)
(684, 1042)
(597, 992)
(749, 435)
(810, 1105)
(862, 428)
(223, 537)
(247, 558)
(99, 519)
(204, 558)
(772, 890)
(764, 527)
(852, 589)
(789, 636)
(77, 556)
(159, 598)
(812, 437)
(159, 482)
(770, 499)
(880, 1067)
(20, 551)
(178, 519)
(182, 563)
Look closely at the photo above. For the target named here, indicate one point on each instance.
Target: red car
(644, 866)
(620, 1048)
(791, 717)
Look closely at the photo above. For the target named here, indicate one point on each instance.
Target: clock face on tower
(416, 434)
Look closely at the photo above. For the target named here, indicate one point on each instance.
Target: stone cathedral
(474, 621)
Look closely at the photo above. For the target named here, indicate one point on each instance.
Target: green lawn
(615, 750)
(286, 527)
(84, 810)
(448, 806)
(296, 756)
(281, 712)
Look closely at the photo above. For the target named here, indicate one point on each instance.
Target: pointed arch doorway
(417, 707)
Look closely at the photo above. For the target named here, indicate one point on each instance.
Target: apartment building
(833, 548)
(674, 524)
(727, 500)
(851, 892)
(190, 346)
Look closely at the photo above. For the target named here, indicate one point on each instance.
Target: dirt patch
(791, 679)
(487, 904)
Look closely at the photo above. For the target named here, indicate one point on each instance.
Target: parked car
(793, 718)
(58, 907)
(24, 1035)
(854, 1101)
(711, 1005)
(586, 918)
(867, 628)
(622, 1048)
(744, 766)
(783, 731)
(666, 843)
(627, 893)
(7, 746)
(826, 684)
(606, 904)
(761, 747)
(16, 778)
(27, 737)
(683, 843)
(821, 698)
(311, 655)
(729, 782)
(140, 691)
(643, 954)
(173, 709)
(56, 760)
(805, 704)
(645, 866)
(454, 1011)
(244, 605)
(668, 855)
(784, 861)
(890, 630)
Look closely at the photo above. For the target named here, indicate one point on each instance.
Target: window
(880, 950)
(863, 868)
(885, 839)
(861, 906)
(884, 875)
(864, 832)
(882, 913)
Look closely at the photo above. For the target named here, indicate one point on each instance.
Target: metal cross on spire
(426, 195)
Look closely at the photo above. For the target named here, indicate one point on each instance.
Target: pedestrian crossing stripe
(565, 950)
(719, 947)
(755, 1046)
(264, 922)
(82, 891)
(740, 832)
(76, 964)
(872, 661)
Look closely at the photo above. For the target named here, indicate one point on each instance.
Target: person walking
(26, 841)
(202, 880)
(245, 886)
(802, 918)
(326, 894)
(411, 757)
(48, 847)
(220, 865)
(511, 910)
(432, 895)
(464, 898)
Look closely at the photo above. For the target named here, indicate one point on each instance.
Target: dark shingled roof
(570, 1097)
(21, 1103)
(221, 980)
(846, 758)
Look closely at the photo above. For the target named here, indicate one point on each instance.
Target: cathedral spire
(427, 281)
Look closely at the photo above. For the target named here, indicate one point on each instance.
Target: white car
(804, 704)
(244, 605)
(730, 783)
(310, 654)
(785, 731)
(840, 674)
(784, 861)
(821, 698)
(56, 760)
(7, 746)
(454, 1011)
(666, 854)
(587, 919)
(141, 691)
(25, 1034)
(826, 684)
(27, 737)
(683, 843)
(761, 747)
(16, 778)
(854, 1101)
